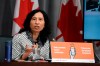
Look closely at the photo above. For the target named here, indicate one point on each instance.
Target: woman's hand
(28, 50)
(35, 46)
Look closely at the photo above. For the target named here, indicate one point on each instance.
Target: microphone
(53, 39)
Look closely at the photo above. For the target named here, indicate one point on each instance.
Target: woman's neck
(35, 36)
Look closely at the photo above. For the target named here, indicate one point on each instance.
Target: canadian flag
(70, 23)
(22, 8)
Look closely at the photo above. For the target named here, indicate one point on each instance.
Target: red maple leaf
(25, 8)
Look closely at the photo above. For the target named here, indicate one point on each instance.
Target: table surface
(46, 64)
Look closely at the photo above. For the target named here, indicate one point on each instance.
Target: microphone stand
(97, 59)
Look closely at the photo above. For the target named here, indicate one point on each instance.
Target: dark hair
(44, 34)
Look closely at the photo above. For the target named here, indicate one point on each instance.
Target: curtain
(6, 16)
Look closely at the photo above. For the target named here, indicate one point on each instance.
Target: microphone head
(53, 39)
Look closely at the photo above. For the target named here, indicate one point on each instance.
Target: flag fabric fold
(22, 8)
(70, 21)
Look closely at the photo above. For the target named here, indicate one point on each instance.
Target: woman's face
(37, 22)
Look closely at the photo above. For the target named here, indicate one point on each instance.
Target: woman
(32, 41)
